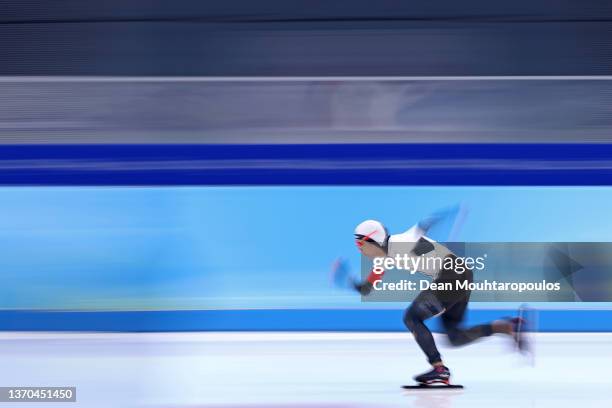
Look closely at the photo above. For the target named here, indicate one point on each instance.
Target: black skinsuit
(452, 305)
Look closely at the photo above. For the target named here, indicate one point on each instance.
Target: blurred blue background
(164, 248)
(198, 166)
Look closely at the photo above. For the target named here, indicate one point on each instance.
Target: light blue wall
(243, 247)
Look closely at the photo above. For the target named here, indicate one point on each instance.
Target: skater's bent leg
(460, 337)
(457, 335)
(423, 307)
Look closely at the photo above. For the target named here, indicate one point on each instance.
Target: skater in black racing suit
(373, 241)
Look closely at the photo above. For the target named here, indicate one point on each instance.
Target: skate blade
(527, 328)
(433, 386)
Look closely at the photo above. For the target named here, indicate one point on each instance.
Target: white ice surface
(303, 369)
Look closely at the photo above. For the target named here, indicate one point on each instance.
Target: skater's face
(369, 249)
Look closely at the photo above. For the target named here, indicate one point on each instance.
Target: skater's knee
(460, 336)
(455, 337)
(415, 315)
(422, 309)
(411, 319)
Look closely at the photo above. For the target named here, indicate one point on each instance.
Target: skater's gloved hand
(342, 278)
(428, 222)
(340, 275)
(363, 288)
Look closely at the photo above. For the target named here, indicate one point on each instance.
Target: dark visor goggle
(360, 239)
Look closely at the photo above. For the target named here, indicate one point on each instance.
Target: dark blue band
(339, 164)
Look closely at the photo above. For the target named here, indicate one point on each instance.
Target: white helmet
(373, 230)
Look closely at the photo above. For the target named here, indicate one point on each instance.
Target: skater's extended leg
(458, 336)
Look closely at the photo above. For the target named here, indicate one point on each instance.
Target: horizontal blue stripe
(339, 164)
(421, 151)
(276, 320)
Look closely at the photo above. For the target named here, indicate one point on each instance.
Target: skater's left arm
(418, 231)
(342, 278)
(367, 285)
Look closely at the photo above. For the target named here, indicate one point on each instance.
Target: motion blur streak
(177, 177)
(284, 110)
(325, 38)
(279, 370)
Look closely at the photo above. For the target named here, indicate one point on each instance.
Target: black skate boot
(518, 334)
(522, 331)
(436, 379)
(518, 327)
(438, 375)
